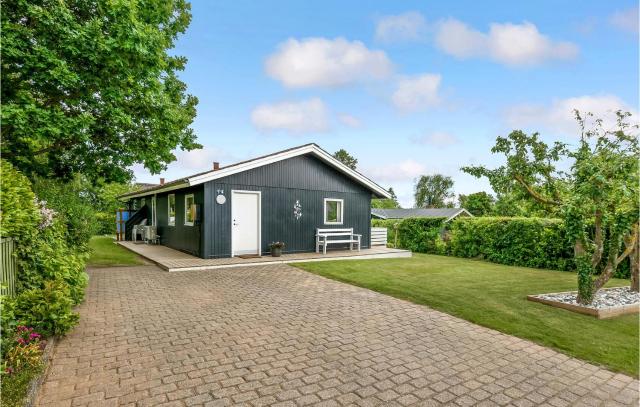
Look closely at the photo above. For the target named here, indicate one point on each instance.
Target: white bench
(343, 236)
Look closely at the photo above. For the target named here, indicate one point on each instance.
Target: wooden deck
(174, 260)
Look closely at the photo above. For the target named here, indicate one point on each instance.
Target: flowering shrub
(46, 214)
(25, 351)
(277, 245)
(22, 362)
(73, 202)
(42, 250)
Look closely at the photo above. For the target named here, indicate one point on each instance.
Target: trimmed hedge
(528, 242)
(515, 241)
(421, 235)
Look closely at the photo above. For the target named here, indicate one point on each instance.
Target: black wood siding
(181, 237)
(303, 178)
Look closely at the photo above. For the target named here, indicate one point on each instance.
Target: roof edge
(242, 166)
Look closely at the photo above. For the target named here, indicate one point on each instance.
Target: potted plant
(276, 248)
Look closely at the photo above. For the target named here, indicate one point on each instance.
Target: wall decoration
(297, 210)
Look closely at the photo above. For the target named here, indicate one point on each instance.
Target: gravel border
(604, 299)
(36, 383)
(606, 310)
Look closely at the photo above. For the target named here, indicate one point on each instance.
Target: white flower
(46, 214)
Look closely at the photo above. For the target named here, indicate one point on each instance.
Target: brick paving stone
(275, 335)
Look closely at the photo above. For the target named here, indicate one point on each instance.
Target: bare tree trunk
(604, 277)
(631, 245)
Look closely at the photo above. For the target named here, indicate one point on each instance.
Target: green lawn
(105, 253)
(494, 296)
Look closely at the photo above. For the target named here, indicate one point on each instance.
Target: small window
(333, 211)
(172, 209)
(189, 210)
(142, 202)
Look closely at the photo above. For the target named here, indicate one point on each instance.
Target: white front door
(245, 222)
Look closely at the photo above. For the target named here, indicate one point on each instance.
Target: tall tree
(88, 86)
(597, 197)
(433, 191)
(478, 204)
(347, 159)
(386, 203)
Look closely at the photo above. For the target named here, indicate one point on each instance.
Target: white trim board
(308, 149)
(156, 191)
(259, 162)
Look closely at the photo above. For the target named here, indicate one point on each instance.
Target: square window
(172, 209)
(189, 210)
(333, 211)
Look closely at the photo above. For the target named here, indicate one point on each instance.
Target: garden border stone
(602, 313)
(36, 383)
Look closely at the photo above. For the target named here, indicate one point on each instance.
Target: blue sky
(408, 88)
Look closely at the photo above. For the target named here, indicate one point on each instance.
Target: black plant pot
(276, 251)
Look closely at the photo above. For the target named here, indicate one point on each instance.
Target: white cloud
(417, 93)
(458, 39)
(510, 44)
(324, 62)
(437, 139)
(201, 159)
(186, 163)
(626, 20)
(560, 117)
(403, 171)
(307, 116)
(403, 27)
(349, 120)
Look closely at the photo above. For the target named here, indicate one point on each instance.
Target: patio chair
(151, 235)
(138, 230)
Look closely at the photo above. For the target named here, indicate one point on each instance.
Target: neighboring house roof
(448, 213)
(312, 149)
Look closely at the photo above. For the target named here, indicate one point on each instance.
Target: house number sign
(220, 198)
(297, 210)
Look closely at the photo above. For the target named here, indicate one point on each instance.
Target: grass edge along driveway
(104, 252)
(494, 296)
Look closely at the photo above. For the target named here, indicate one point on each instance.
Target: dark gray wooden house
(239, 209)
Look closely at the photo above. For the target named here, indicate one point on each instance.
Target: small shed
(240, 208)
(448, 213)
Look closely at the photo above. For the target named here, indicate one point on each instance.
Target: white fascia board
(212, 175)
(156, 191)
(458, 214)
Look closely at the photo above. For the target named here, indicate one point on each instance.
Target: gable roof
(448, 213)
(312, 149)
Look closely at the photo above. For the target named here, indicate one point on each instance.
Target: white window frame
(169, 222)
(186, 209)
(341, 212)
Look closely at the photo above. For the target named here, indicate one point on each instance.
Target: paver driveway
(275, 335)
